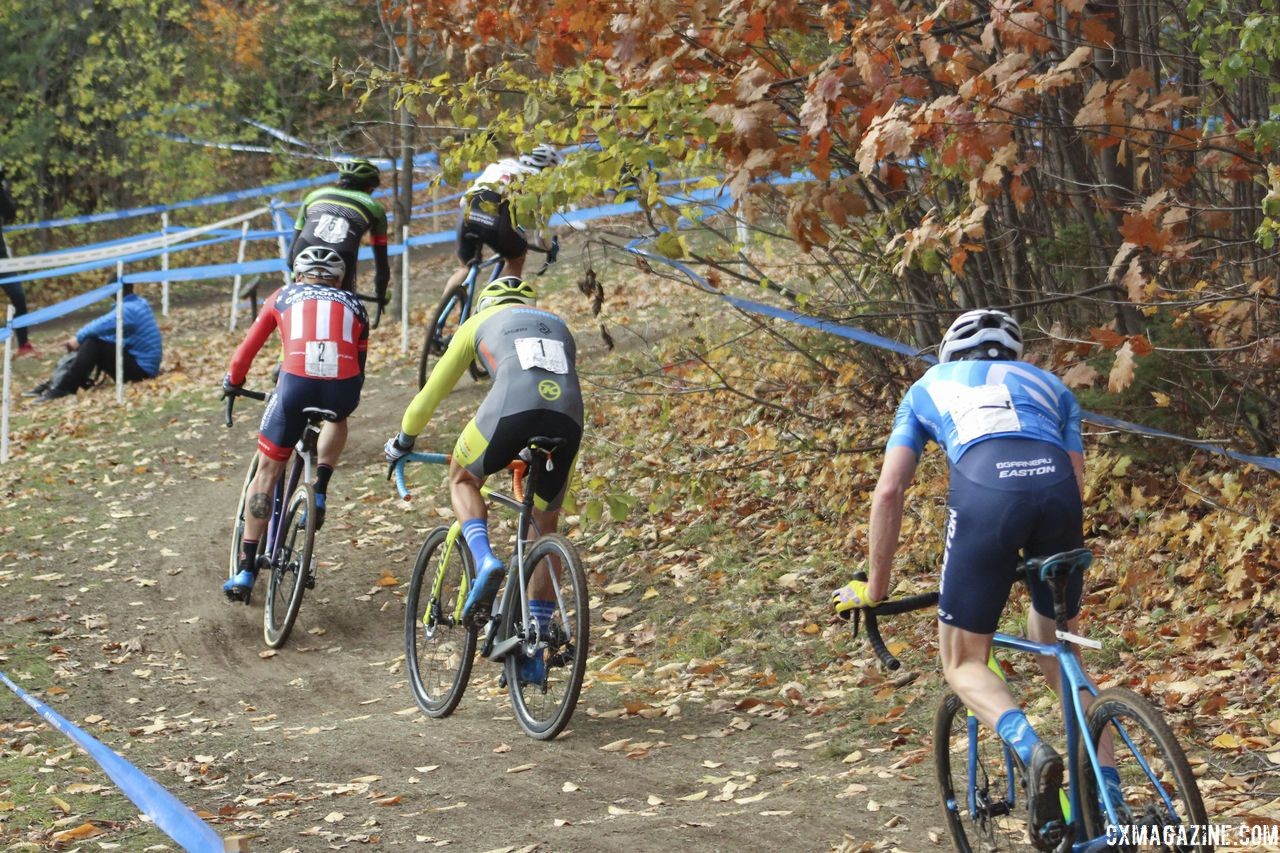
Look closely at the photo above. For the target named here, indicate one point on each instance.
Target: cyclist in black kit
(338, 217)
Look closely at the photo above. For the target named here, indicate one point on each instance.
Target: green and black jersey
(338, 219)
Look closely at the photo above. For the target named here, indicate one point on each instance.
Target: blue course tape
(427, 158)
(1269, 463)
(168, 813)
(75, 303)
(89, 266)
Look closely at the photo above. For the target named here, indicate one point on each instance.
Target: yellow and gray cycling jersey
(530, 353)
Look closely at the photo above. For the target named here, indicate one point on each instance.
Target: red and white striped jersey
(324, 332)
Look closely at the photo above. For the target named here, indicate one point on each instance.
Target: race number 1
(542, 352)
(322, 359)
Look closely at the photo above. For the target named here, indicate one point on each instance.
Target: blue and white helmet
(974, 329)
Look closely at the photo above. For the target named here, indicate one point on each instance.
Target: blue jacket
(141, 334)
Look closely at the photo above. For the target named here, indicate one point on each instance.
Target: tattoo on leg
(260, 505)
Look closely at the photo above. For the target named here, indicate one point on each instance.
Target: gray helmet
(319, 262)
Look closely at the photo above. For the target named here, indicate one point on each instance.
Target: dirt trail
(320, 746)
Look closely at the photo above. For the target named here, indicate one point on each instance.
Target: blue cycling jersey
(962, 403)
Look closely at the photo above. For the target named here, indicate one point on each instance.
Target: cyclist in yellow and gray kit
(530, 354)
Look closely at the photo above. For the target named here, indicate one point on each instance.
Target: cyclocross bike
(440, 649)
(287, 549)
(979, 777)
(288, 546)
(457, 305)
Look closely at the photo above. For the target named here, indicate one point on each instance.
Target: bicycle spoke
(439, 652)
(544, 697)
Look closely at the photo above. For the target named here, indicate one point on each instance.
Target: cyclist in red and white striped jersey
(324, 332)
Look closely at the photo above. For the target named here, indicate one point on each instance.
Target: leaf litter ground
(722, 493)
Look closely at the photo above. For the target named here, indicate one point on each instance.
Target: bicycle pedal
(502, 680)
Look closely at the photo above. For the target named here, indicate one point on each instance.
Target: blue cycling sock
(1014, 730)
(542, 612)
(476, 532)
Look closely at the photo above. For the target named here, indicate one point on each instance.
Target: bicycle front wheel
(237, 526)
(544, 674)
(292, 566)
(438, 650)
(990, 814)
(1159, 787)
(444, 323)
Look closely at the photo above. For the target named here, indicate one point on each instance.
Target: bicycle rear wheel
(443, 325)
(545, 708)
(997, 817)
(292, 566)
(1159, 787)
(237, 525)
(438, 651)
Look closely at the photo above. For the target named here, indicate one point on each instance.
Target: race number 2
(322, 359)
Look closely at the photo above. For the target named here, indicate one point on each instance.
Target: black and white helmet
(319, 262)
(984, 327)
(541, 157)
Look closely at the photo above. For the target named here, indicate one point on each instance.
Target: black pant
(19, 300)
(95, 352)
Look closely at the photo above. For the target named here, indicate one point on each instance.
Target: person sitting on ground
(13, 289)
(530, 353)
(486, 217)
(324, 332)
(94, 348)
(338, 217)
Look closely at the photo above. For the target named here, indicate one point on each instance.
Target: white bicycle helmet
(541, 157)
(974, 329)
(319, 262)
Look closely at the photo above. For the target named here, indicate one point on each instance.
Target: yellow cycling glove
(852, 595)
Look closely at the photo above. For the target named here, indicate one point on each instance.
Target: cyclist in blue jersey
(1011, 432)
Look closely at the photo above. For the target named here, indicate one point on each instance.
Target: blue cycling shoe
(485, 586)
(534, 670)
(239, 587)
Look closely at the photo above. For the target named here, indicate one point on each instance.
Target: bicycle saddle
(320, 414)
(1060, 564)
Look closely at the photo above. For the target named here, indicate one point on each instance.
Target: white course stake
(4, 392)
(235, 289)
(120, 332)
(404, 291)
(164, 264)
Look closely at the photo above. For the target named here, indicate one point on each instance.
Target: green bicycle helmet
(359, 171)
(504, 290)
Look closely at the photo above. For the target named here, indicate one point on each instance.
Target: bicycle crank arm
(506, 647)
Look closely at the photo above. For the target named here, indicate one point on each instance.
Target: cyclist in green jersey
(530, 353)
(338, 217)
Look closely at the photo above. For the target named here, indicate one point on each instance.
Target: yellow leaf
(1162, 399)
(388, 579)
(618, 588)
(1226, 741)
(691, 798)
(1273, 726)
(81, 832)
